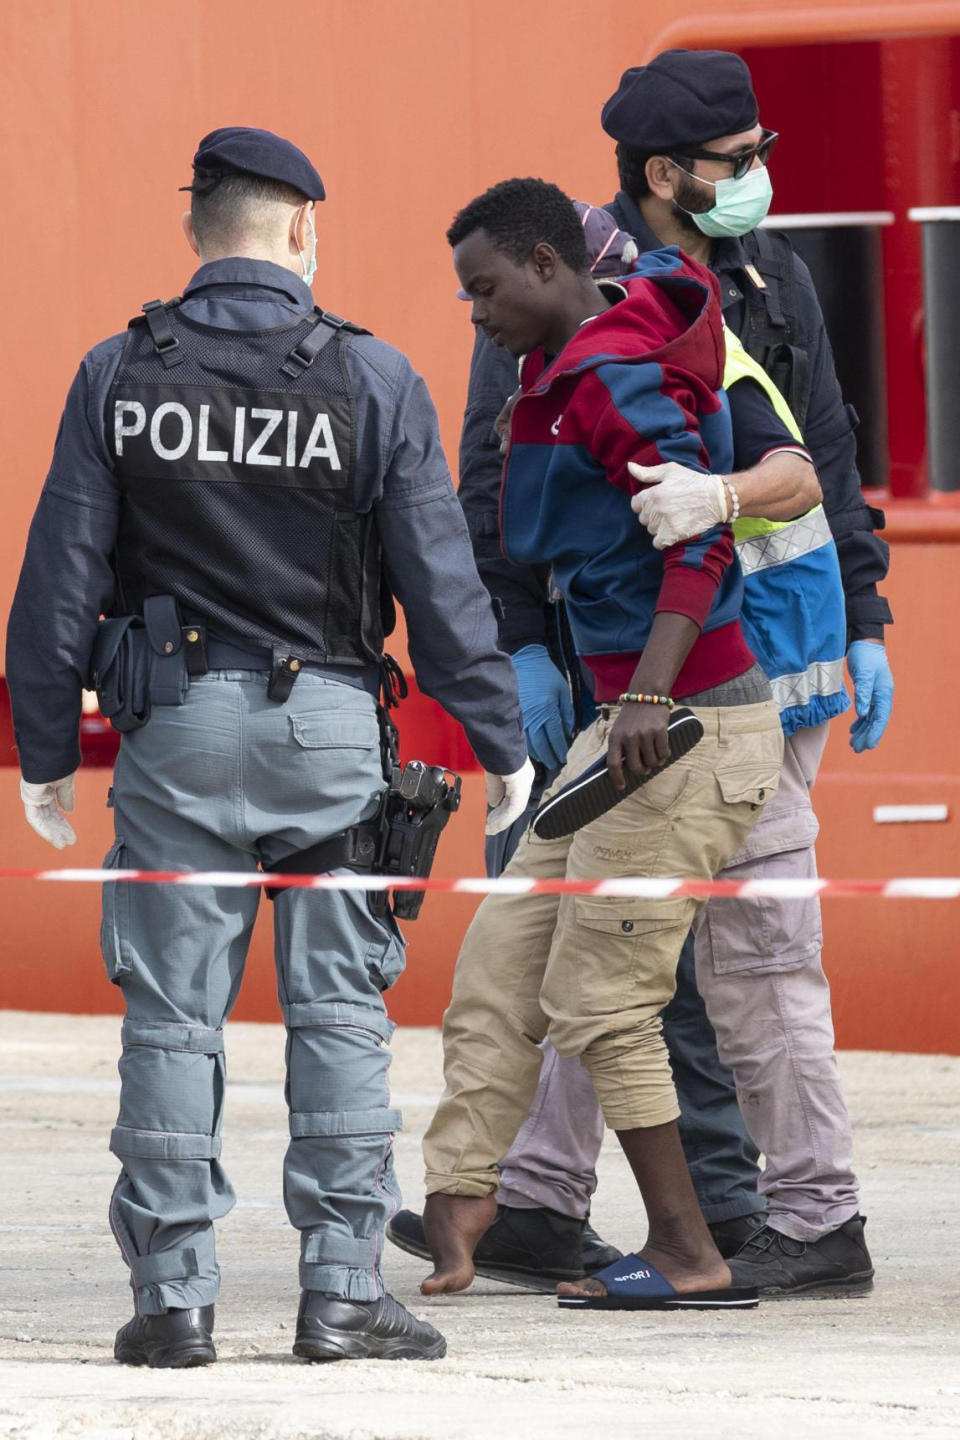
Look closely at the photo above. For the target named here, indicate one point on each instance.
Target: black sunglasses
(743, 160)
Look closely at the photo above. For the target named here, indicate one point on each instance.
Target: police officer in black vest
(241, 484)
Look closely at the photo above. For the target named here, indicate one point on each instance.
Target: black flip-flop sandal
(593, 792)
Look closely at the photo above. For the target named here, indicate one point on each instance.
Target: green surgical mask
(739, 205)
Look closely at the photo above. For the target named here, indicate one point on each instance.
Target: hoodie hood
(670, 314)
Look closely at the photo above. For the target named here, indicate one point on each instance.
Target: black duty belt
(224, 655)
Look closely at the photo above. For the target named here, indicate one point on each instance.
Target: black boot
(331, 1328)
(532, 1248)
(175, 1340)
(837, 1264)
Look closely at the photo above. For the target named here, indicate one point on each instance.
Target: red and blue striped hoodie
(638, 382)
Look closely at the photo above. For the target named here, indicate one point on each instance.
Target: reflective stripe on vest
(823, 677)
(781, 626)
(786, 542)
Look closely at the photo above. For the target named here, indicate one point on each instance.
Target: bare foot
(586, 1286)
(686, 1274)
(453, 1225)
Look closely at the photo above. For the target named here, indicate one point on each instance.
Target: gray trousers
(219, 783)
(758, 969)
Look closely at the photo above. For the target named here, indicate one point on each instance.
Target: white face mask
(309, 266)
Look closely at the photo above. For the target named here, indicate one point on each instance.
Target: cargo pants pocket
(115, 921)
(763, 932)
(750, 787)
(385, 959)
(747, 776)
(626, 952)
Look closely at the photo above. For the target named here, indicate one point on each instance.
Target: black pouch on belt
(169, 680)
(120, 671)
(139, 662)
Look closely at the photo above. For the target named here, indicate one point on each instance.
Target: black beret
(253, 152)
(683, 97)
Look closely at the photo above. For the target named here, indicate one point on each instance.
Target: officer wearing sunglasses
(740, 161)
(741, 192)
(692, 159)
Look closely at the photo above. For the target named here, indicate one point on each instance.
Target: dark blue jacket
(67, 579)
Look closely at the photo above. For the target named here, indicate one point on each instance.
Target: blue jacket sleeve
(451, 631)
(829, 432)
(66, 581)
(519, 592)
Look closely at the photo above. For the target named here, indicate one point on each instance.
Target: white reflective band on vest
(823, 677)
(775, 547)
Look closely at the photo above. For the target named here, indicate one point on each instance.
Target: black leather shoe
(330, 1328)
(175, 1340)
(532, 1248)
(597, 1254)
(730, 1236)
(837, 1264)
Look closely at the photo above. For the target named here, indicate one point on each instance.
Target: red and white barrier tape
(645, 888)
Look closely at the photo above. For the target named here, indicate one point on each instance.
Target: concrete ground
(887, 1366)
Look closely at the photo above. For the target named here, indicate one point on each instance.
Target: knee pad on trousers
(171, 1092)
(338, 1064)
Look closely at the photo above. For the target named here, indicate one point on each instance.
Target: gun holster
(401, 839)
(417, 806)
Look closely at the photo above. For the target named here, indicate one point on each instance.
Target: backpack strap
(165, 342)
(772, 303)
(772, 255)
(772, 322)
(305, 351)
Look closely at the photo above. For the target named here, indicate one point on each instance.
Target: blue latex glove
(548, 720)
(872, 693)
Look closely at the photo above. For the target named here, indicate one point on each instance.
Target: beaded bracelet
(735, 513)
(646, 700)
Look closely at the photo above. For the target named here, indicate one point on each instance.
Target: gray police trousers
(219, 783)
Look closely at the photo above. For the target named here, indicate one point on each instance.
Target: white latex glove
(680, 502)
(43, 804)
(508, 796)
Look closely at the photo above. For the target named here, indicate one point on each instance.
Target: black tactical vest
(235, 453)
(771, 331)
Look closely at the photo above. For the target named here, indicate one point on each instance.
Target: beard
(689, 200)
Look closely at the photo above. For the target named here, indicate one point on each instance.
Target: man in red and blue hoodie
(612, 375)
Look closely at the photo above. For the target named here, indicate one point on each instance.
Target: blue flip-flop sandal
(634, 1284)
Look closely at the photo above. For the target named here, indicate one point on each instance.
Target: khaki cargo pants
(591, 973)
